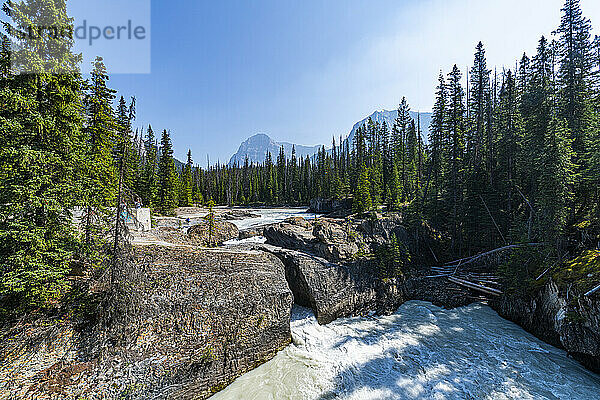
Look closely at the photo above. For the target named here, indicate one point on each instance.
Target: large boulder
(203, 318)
(290, 236)
(335, 242)
(333, 290)
(222, 232)
(250, 233)
(299, 221)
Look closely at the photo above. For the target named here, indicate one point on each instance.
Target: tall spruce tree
(101, 185)
(575, 72)
(398, 142)
(555, 182)
(438, 154)
(42, 158)
(100, 130)
(187, 181)
(149, 185)
(479, 90)
(510, 151)
(575, 81)
(167, 176)
(456, 149)
(362, 194)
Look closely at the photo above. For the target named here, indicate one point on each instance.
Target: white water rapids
(267, 216)
(420, 352)
(271, 216)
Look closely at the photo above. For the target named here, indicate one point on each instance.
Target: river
(420, 352)
(271, 216)
(267, 216)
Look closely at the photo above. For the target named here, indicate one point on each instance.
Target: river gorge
(284, 309)
(419, 352)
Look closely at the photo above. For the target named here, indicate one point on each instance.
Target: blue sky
(304, 71)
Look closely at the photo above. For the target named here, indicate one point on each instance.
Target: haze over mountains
(256, 147)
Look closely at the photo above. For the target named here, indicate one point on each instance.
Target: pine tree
(270, 181)
(187, 181)
(478, 157)
(437, 146)
(150, 177)
(456, 132)
(42, 160)
(100, 130)
(398, 142)
(575, 72)
(537, 105)
(101, 185)
(126, 144)
(510, 147)
(294, 177)
(395, 199)
(167, 189)
(523, 74)
(480, 89)
(362, 195)
(576, 82)
(281, 175)
(555, 181)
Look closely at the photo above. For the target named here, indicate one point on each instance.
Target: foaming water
(267, 216)
(271, 216)
(420, 352)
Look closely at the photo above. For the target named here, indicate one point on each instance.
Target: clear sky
(303, 71)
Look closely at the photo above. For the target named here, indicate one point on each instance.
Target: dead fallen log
(591, 292)
(543, 273)
(468, 260)
(475, 286)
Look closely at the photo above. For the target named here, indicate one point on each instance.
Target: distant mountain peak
(256, 146)
(389, 117)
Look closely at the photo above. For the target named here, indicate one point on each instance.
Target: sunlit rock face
(334, 291)
(201, 319)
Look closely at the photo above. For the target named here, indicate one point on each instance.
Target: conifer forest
(513, 156)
